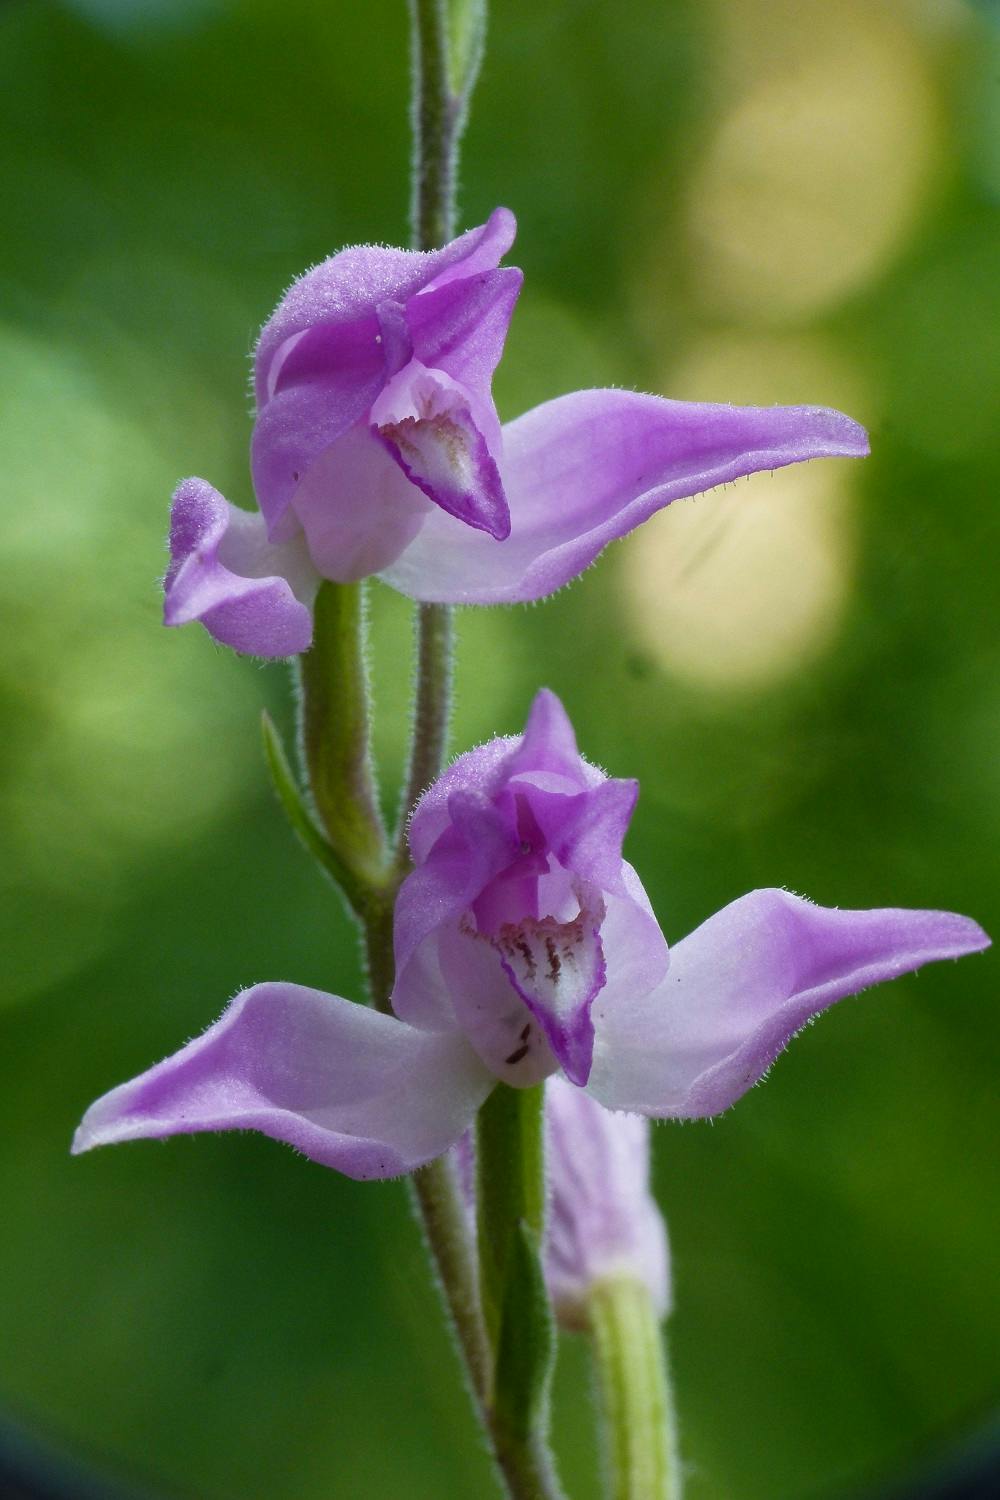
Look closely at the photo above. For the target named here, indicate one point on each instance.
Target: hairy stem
(447, 38)
(335, 731)
(431, 710)
(436, 120)
(634, 1391)
(443, 1214)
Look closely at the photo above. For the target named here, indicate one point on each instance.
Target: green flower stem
(447, 46)
(303, 818)
(510, 1203)
(335, 733)
(634, 1391)
(444, 1217)
(431, 712)
(437, 117)
(510, 1187)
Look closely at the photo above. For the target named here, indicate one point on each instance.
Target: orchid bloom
(377, 450)
(525, 945)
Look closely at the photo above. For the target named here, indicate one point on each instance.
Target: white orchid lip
(425, 419)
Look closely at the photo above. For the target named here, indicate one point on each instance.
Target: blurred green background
(750, 200)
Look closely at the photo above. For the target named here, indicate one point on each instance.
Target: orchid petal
(248, 593)
(504, 1031)
(638, 956)
(603, 1220)
(327, 381)
(461, 327)
(585, 831)
(548, 743)
(349, 284)
(475, 845)
(480, 770)
(558, 968)
(425, 420)
(356, 507)
(587, 468)
(739, 988)
(346, 1086)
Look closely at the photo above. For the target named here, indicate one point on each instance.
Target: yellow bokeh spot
(747, 585)
(816, 175)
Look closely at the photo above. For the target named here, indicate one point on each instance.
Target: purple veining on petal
(517, 853)
(558, 969)
(424, 419)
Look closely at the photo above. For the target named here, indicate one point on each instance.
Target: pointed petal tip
(577, 1069)
(548, 712)
(849, 437)
(503, 223)
(967, 935)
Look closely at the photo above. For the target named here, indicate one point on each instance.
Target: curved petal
(353, 282)
(603, 1220)
(587, 468)
(476, 845)
(548, 743)
(356, 507)
(349, 1088)
(426, 422)
(585, 830)
(247, 593)
(328, 379)
(479, 770)
(739, 988)
(558, 969)
(507, 1035)
(638, 956)
(461, 328)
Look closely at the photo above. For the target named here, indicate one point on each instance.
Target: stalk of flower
(607, 1264)
(607, 1269)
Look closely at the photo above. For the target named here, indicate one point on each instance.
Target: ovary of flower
(602, 1221)
(517, 864)
(377, 449)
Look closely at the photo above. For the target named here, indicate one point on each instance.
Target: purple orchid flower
(378, 450)
(524, 945)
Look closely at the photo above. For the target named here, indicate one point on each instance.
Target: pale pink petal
(248, 593)
(587, 468)
(740, 987)
(349, 1088)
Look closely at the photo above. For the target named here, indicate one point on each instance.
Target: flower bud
(603, 1222)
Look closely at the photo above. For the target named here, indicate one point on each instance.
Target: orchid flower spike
(525, 946)
(377, 450)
